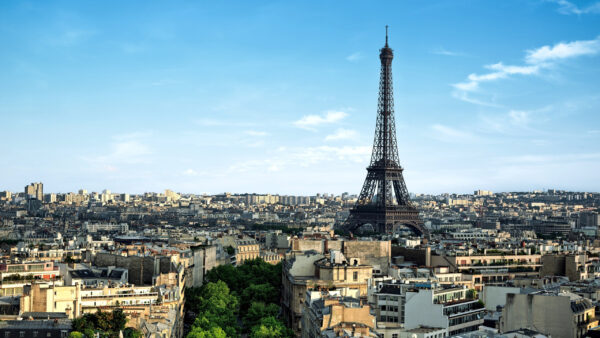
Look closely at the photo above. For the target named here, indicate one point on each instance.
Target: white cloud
(562, 158)
(567, 7)
(126, 149)
(466, 86)
(304, 157)
(519, 117)
(316, 155)
(309, 122)
(342, 134)
(449, 134)
(510, 70)
(463, 95)
(563, 50)
(443, 51)
(354, 57)
(535, 59)
(501, 71)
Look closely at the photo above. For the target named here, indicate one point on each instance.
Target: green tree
(130, 332)
(251, 288)
(215, 332)
(89, 333)
(105, 323)
(258, 311)
(216, 307)
(270, 327)
(119, 319)
(265, 293)
(225, 273)
(82, 323)
(76, 334)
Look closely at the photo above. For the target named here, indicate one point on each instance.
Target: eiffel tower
(383, 201)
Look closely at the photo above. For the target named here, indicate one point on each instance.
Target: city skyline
(233, 97)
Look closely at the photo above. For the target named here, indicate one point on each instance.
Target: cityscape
(492, 232)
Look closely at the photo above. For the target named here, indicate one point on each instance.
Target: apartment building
(314, 271)
(558, 315)
(336, 314)
(28, 271)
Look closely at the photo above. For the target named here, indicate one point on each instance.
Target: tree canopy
(249, 292)
(106, 324)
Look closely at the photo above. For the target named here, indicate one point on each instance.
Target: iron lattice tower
(384, 201)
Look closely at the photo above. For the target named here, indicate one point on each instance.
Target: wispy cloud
(535, 61)
(569, 8)
(449, 134)
(125, 149)
(443, 51)
(463, 95)
(354, 57)
(519, 117)
(552, 158)
(342, 134)
(310, 122)
(518, 122)
(563, 50)
(500, 71)
(303, 157)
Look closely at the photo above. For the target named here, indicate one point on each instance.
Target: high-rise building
(35, 190)
(50, 198)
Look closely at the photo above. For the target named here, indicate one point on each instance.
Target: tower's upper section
(385, 150)
(386, 53)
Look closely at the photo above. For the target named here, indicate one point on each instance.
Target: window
(22, 334)
(355, 275)
(394, 335)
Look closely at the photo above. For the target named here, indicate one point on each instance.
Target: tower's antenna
(386, 35)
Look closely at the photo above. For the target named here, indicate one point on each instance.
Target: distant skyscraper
(384, 202)
(50, 198)
(35, 190)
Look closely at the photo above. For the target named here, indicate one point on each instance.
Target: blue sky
(281, 96)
